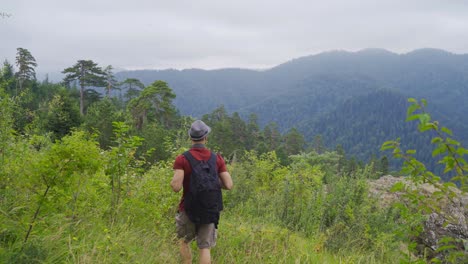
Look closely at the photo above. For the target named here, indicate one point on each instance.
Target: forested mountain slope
(436, 75)
(309, 98)
(311, 89)
(363, 123)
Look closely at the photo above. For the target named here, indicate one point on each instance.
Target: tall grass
(275, 214)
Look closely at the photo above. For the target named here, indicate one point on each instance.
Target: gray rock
(450, 221)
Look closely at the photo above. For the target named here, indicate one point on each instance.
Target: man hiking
(201, 174)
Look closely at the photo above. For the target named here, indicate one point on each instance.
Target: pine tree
(384, 165)
(87, 73)
(26, 64)
(293, 142)
(342, 158)
(61, 116)
(318, 144)
(133, 86)
(111, 82)
(272, 136)
(7, 77)
(155, 104)
(239, 129)
(253, 132)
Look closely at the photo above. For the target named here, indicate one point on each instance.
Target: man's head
(198, 131)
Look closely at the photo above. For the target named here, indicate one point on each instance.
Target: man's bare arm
(226, 180)
(177, 180)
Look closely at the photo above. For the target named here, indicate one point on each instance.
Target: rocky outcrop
(450, 221)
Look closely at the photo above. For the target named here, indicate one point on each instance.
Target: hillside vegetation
(85, 179)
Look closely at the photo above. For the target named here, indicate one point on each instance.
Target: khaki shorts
(205, 234)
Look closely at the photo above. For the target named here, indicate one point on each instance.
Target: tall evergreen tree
(111, 82)
(87, 73)
(253, 131)
(62, 115)
(384, 165)
(99, 118)
(7, 77)
(26, 67)
(155, 104)
(90, 97)
(341, 158)
(293, 142)
(318, 144)
(224, 139)
(272, 136)
(133, 87)
(239, 129)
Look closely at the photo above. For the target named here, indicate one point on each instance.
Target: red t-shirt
(181, 163)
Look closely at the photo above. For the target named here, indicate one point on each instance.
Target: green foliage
(452, 155)
(63, 169)
(122, 166)
(6, 122)
(293, 142)
(328, 163)
(99, 120)
(340, 213)
(7, 78)
(44, 190)
(157, 138)
(384, 165)
(353, 220)
(23, 115)
(224, 139)
(153, 105)
(258, 240)
(302, 195)
(61, 116)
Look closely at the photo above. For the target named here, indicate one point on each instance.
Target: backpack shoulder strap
(213, 159)
(190, 158)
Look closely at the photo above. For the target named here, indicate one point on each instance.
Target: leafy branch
(451, 154)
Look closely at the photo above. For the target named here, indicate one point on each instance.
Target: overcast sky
(156, 34)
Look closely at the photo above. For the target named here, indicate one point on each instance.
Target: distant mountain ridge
(301, 91)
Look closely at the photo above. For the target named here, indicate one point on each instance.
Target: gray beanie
(198, 130)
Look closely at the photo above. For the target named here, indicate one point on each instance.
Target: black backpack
(203, 201)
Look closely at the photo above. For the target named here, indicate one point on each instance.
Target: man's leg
(185, 252)
(206, 239)
(205, 256)
(186, 233)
